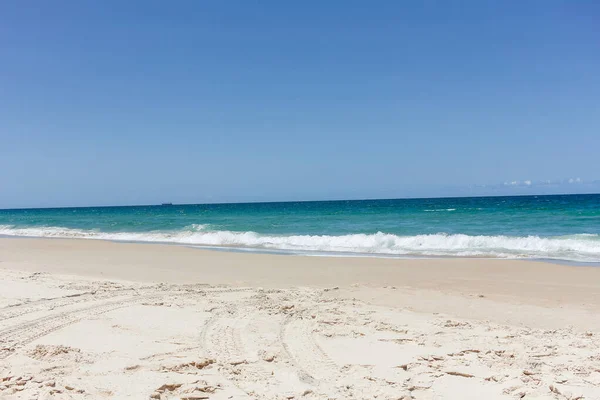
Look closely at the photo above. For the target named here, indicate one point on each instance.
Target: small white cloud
(512, 183)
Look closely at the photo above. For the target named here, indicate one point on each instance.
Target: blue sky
(142, 102)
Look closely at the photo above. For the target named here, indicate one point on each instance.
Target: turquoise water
(550, 227)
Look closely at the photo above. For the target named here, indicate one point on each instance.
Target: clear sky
(138, 102)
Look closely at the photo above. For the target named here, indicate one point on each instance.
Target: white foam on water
(580, 248)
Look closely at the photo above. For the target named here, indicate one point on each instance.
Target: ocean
(564, 227)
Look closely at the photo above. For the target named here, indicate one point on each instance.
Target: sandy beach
(94, 319)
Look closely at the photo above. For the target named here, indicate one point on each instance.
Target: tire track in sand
(300, 345)
(245, 342)
(52, 303)
(21, 334)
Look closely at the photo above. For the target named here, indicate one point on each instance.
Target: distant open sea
(563, 227)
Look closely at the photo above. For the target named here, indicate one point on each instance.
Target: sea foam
(580, 248)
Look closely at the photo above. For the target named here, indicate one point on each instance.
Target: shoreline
(315, 253)
(503, 279)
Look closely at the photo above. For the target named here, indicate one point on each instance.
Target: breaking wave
(579, 248)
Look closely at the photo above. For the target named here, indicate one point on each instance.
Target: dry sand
(91, 319)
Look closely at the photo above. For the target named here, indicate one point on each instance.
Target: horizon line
(298, 201)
